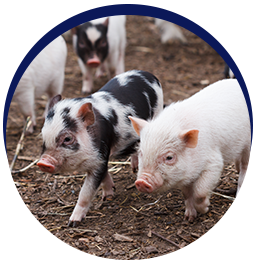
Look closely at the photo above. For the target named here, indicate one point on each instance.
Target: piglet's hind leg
(107, 186)
(190, 213)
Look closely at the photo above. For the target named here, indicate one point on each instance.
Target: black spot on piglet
(69, 122)
(50, 114)
(65, 111)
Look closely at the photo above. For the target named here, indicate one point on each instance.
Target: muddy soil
(132, 225)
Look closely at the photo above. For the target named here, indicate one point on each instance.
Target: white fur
(220, 114)
(45, 74)
(169, 31)
(124, 79)
(93, 34)
(231, 74)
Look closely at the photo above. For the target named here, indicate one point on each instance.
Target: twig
(166, 239)
(84, 230)
(115, 170)
(123, 201)
(186, 239)
(44, 214)
(150, 203)
(231, 169)
(70, 176)
(226, 192)
(56, 228)
(119, 162)
(138, 211)
(26, 158)
(60, 208)
(18, 148)
(27, 167)
(228, 173)
(143, 49)
(224, 196)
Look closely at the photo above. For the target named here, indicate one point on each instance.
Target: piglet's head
(161, 155)
(91, 43)
(67, 146)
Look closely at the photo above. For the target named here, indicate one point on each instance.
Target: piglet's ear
(86, 114)
(138, 124)
(106, 22)
(190, 137)
(74, 30)
(54, 101)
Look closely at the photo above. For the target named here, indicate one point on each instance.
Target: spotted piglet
(82, 133)
(100, 46)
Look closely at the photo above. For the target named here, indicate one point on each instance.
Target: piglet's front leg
(86, 194)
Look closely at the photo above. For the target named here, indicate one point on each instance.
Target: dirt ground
(132, 225)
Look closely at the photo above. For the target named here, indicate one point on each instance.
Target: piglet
(82, 133)
(169, 31)
(100, 44)
(187, 145)
(45, 74)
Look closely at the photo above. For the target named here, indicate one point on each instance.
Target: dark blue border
(231, 32)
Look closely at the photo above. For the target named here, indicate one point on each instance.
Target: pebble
(151, 249)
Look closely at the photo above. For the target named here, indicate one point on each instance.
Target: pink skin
(47, 163)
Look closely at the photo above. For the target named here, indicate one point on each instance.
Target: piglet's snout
(47, 164)
(143, 186)
(148, 183)
(94, 62)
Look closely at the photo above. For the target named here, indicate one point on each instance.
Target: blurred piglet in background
(82, 133)
(228, 72)
(100, 46)
(187, 145)
(169, 31)
(45, 74)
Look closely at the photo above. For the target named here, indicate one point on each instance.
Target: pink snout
(46, 165)
(143, 186)
(149, 182)
(94, 62)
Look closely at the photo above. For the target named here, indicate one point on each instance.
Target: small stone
(98, 239)
(204, 82)
(151, 249)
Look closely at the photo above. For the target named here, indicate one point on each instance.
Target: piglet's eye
(170, 159)
(82, 44)
(103, 44)
(68, 140)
